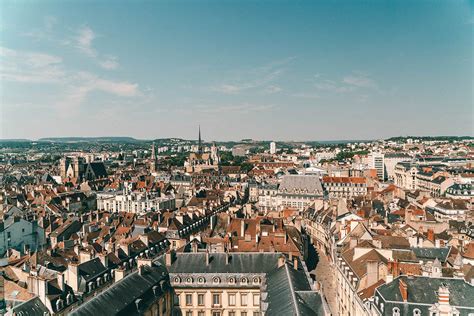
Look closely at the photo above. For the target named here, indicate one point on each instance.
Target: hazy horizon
(278, 70)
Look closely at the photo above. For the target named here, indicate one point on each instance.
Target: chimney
(207, 258)
(194, 247)
(144, 239)
(61, 282)
(396, 269)
(169, 257)
(242, 228)
(437, 243)
(73, 276)
(443, 295)
(125, 248)
(431, 235)
(295, 263)
(281, 261)
(104, 259)
(372, 272)
(403, 290)
(119, 274)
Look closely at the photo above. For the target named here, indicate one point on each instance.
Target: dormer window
(416, 312)
(396, 311)
(69, 299)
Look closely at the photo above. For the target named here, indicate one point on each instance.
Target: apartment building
(294, 191)
(241, 284)
(345, 187)
(134, 202)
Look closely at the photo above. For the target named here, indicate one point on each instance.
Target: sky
(266, 70)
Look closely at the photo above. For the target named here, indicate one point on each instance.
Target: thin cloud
(359, 81)
(305, 95)
(45, 32)
(30, 67)
(259, 77)
(84, 83)
(332, 86)
(84, 42)
(348, 83)
(109, 63)
(272, 89)
(244, 108)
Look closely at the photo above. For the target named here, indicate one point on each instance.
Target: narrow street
(326, 275)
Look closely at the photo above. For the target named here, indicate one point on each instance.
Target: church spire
(153, 158)
(199, 141)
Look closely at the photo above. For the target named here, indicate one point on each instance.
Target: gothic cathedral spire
(199, 141)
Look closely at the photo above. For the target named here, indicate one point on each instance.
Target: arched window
(396, 311)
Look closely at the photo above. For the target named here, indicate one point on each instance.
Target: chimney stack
(242, 228)
(403, 290)
(119, 274)
(372, 272)
(295, 263)
(443, 295)
(227, 258)
(281, 261)
(61, 281)
(431, 235)
(169, 256)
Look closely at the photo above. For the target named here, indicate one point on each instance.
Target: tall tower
(199, 141)
(153, 158)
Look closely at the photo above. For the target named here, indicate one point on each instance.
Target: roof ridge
(293, 295)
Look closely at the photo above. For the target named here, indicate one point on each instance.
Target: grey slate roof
(31, 307)
(238, 263)
(301, 183)
(432, 253)
(289, 290)
(120, 298)
(289, 293)
(424, 290)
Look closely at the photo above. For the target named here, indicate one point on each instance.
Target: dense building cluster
(252, 228)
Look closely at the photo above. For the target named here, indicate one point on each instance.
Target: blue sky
(284, 70)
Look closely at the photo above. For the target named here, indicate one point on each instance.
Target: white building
(273, 148)
(134, 202)
(376, 161)
(391, 160)
(295, 191)
(20, 234)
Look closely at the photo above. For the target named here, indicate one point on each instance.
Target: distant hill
(12, 140)
(89, 139)
(430, 138)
